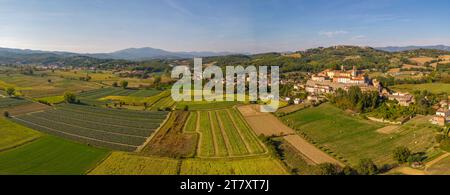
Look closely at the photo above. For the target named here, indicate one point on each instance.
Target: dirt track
(267, 124)
(310, 151)
(264, 123)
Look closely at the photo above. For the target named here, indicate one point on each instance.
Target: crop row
(99, 124)
(191, 124)
(8, 102)
(112, 120)
(207, 139)
(86, 140)
(163, 103)
(237, 144)
(220, 140)
(85, 132)
(122, 113)
(246, 132)
(98, 93)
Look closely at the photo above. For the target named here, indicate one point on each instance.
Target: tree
(70, 98)
(157, 81)
(367, 167)
(6, 114)
(328, 169)
(115, 84)
(11, 91)
(401, 154)
(124, 84)
(349, 171)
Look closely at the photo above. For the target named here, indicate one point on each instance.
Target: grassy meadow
(354, 138)
(12, 134)
(431, 87)
(249, 166)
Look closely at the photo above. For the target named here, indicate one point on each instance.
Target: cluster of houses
(328, 81)
(442, 116)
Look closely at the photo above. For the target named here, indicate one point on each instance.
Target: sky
(254, 26)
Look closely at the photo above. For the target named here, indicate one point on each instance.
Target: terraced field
(6, 102)
(223, 133)
(123, 130)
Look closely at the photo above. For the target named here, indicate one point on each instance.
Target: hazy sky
(220, 25)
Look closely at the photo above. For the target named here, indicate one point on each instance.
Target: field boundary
(139, 148)
(20, 144)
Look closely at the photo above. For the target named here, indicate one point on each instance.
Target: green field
(250, 166)
(110, 128)
(353, 138)
(119, 163)
(51, 99)
(223, 133)
(52, 156)
(12, 135)
(431, 87)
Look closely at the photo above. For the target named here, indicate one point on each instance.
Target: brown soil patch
(26, 108)
(421, 60)
(310, 151)
(170, 141)
(264, 123)
(409, 66)
(388, 129)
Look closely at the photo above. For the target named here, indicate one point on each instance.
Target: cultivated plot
(120, 163)
(223, 133)
(110, 128)
(354, 138)
(248, 166)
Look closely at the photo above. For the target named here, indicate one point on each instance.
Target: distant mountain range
(145, 53)
(408, 48)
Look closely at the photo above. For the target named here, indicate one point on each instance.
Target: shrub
(11, 91)
(124, 84)
(401, 154)
(328, 169)
(349, 171)
(417, 157)
(70, 98)
(6, 114)
(439, 138)
(367, 167)
(445, 144)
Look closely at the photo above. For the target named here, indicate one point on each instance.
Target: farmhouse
(404, 99)
(442, 115)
